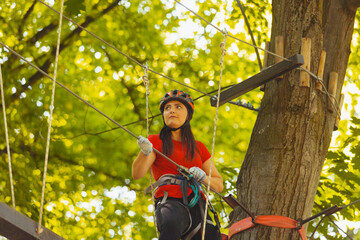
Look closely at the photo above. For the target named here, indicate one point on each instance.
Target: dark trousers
(176, 221)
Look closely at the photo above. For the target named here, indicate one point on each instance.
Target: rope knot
(222, 46)
(146, 80)
(223, 49)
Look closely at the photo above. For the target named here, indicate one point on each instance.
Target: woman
(179, 209)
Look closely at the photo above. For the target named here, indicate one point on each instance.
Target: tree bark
(290, 139)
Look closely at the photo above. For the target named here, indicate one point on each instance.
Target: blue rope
(194, 186)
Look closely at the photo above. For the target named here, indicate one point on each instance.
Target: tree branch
(352, 4)
(66, 42)
(27, 14)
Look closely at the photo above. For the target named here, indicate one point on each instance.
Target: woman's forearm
(216, 183)
(142, 164)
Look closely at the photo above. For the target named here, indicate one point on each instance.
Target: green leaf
(74, 7)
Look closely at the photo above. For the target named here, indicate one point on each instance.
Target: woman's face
(175, 114)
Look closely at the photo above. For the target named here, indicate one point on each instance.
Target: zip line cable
(138, 63)
(327, 213)
(271, 53)
(187, 86)
(338, 227)
(39, 230)
(88, 104)
(54, 80)
(150, 69)
(335, 104)
(117, 50)
(142, 120)
(229, 35)
(180, 167)
(7, 140)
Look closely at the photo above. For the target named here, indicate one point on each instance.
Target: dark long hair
(187, 138)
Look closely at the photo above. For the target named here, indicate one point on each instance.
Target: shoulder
(203, 150)
(154, 138)
(200, 145)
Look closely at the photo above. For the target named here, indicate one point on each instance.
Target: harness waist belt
(165, 180)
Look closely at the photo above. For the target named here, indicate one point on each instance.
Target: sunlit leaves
(339, 184)
(89, 155)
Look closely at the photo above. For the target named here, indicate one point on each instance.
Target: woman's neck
(176, 135)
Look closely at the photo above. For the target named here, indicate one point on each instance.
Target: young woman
(178, 213)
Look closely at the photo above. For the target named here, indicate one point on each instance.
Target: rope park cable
(54, 81)
(138, 63)
(181, 168)
(146, 82)
(39, 230)
(223, 53)
(238, 103)
(7, 140)
(317, 78)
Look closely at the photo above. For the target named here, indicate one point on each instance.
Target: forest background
(89, 191)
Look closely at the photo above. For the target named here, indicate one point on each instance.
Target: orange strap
(267, 220)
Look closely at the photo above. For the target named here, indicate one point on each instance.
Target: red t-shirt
(163, 166)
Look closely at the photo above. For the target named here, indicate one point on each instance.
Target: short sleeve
(204, 152)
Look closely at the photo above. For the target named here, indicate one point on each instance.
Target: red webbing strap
(267, 220)
(240, 226)
(276, 221)
(280, 221)
(302, 233)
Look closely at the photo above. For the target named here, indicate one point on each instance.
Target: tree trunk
(293, 130)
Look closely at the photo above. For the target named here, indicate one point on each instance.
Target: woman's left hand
(198, 173)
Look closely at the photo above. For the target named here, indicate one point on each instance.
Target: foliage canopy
(89, 191)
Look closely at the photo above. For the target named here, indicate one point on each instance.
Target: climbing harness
(186, 181)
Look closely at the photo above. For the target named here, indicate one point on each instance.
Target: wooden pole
(306, 52)
(338, 116)
(279, 50)
(265, 62)
(16, 226)
(319, 86)
(333, 78)
(257, 80)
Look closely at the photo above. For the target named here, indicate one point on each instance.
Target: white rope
(39, 229)
(7, 140)
(145, 79)
(223, 53)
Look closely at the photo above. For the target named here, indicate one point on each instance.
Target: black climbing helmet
(180, 96)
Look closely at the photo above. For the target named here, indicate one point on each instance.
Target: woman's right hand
(145, 158)
(145, 145)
